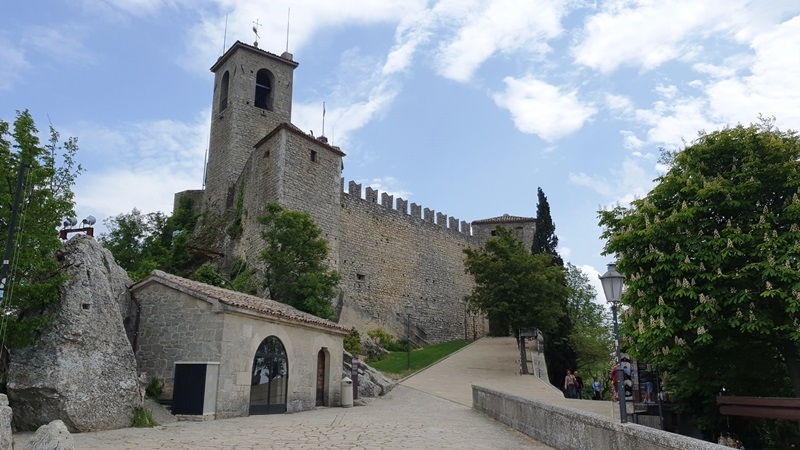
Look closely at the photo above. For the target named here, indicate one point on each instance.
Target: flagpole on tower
(323, 118)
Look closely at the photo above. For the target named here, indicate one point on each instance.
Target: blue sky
(462, 106)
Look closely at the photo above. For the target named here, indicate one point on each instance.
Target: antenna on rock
(288, 15)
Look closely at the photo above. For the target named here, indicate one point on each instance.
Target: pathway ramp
(493, 362)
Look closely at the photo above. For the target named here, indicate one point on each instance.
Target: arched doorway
(270, 378)
(321, 378)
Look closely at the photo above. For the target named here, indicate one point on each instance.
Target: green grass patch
(396, 363)
(142, 418)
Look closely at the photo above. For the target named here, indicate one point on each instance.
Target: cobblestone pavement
(403, 419)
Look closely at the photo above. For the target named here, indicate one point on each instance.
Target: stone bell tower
(252, 96)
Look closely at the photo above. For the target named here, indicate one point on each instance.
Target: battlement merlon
(387, 200)
(371, 195)
(417, 211)
(354, 189)
(402, 206)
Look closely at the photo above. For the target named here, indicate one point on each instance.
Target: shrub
(386, 340)
(352, 343)
(143, 418)
(154, 389)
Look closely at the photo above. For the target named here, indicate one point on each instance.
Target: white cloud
(139, 165)
(389, 185)
(307, 18)
(624, 185)
(673, 123)
(62, 43)
(646, 34)
(486, 28)
(543, 109)
(594, 279)
(773, 86)
(630, 141)
(619, 104)
(14, 64)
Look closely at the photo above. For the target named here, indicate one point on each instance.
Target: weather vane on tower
(255, 30)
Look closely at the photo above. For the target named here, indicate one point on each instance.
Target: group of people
(573, 386)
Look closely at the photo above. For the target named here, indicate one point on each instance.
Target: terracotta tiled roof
(292, 128)
(240, 44)
(235, 299)
(505, 218)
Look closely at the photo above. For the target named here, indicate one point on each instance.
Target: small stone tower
(252, 96)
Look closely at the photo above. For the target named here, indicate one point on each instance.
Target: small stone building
(227, 354)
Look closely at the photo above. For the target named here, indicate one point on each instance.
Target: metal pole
(474, 331)
(623, 412)
(465, 321)
(408, 337)
(11, 226)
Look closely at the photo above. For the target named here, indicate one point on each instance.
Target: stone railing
(571, 429)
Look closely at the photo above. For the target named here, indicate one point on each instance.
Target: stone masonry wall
(174, 327)
(388, 258)
(281, 170)
(238, 127)
(242, 337)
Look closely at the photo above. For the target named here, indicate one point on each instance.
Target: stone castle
(387, 254)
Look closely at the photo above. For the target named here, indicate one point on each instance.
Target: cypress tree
(558, 353)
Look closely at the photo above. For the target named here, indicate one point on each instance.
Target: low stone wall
(570, 429)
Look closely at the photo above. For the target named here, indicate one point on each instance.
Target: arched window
(264, 81)
(270, 378)
(223, 92)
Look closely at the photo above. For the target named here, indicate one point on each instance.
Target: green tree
(544, 237)
(143, 242)
(591, 337)
(712, 262)
(296, 273)
(34, 279)
(559, 352)
(514, 286)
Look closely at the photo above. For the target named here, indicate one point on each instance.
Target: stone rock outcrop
(53, 436)
(82, 369)
(5, 424)
(371, 383)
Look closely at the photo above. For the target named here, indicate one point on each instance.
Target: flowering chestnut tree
(712, 263)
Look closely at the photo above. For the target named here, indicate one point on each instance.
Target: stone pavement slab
(403, 419)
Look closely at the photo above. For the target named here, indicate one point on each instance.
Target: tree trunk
(791, 355)
(523, 361)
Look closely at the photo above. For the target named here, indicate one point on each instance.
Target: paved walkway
(429, 410)
(494, 363)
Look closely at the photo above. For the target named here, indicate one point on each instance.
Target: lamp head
(612, 284)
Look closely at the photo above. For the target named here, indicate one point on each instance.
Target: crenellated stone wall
(388, 258)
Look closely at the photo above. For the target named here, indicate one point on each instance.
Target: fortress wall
(281, 170)
(313, 186)
(388, 258)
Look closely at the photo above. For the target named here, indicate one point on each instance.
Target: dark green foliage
(295, 256)
(544, 238)
(387, 340)
(235, 228)
(559, 354)
(592, 333)
(141, 243)
(154, 389)
(143, 418)
(352, 342)
(206, 274)
(243, 278)
(514, 286)
(711, 263)
(47, 199)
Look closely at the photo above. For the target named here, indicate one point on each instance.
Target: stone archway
(270, 378)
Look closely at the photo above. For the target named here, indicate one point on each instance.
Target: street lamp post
(474, 330)
(409, 310)
(612, 287)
